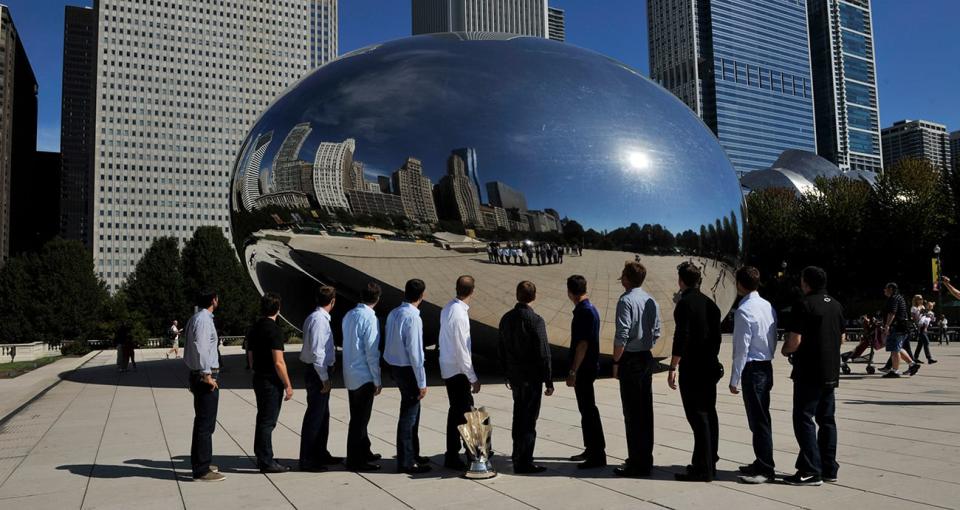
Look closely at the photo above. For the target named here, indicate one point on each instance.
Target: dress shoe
(214, 468)
(580, 457)
(931, 361)
(455, 463)
(274, 468)
(592, 463)
(631, 472)
(331, 460)
(363, 468)
(373, 457)
(415, 469)
(532, 469)
(313, 469)
(419, 459)
(211, 476)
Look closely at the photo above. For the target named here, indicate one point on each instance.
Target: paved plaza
(101, 439)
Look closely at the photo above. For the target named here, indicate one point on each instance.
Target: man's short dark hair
(413, 290)
(526, 292)
(577, 285)
(325, 295)
(893, 287)
(634, 273)
(371, 294)
(749, 278)
(815, 277)
(465, 286)
(689, 274)
(205, 298)
(270, 304)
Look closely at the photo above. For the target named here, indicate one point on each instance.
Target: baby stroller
(871, 340)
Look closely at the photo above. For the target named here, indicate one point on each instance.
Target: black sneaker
(802, 480)
(593, 463)
(749, 470)
(830, 479)
(914, 368)
(890, 375)
(931, 361)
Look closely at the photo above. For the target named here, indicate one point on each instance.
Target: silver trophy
(476, 436)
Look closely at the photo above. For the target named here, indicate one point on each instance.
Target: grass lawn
(11, 370)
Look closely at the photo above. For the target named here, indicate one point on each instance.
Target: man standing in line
(895, 328)
(200, 356)
(271, 384)
(696, 346)
(637, 330)
(584, 368)
(816, 331)
(361, 376)
(318, 355)
(525, 360)
(456, 367)
(404, 353)
(754, 344)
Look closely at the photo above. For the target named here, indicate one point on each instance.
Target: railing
(27, 352)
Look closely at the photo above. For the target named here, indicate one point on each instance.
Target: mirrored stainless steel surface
(506, 158)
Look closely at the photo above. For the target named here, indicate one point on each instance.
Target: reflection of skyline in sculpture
(287, 167)
(469, 157)
(252, 176)
(456, 194)
(330, 169)
(504, 196)
(416, 192)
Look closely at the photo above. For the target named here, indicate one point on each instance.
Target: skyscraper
(845, 83)
(955, 152)
(287, 166)
(34, 204)
(178, 83)
(501, 195)
(744, 67)
(253, 183)
(77, 116)
(18, 121)
(556, 24)
(469, 157)
(457, 196)
(524, 17)
(331, 169)
(416, 192)
(917, 139)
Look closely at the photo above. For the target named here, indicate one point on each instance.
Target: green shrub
(75, 348)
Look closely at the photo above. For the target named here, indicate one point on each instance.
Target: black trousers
(408, 424)
(526, 411)
(269, 392)
(814, 406)
(923, 342)
(756, 383)
(590, 425)
(316, 421)
(461, 401)
(698, 391)
(361, 406)
(636, 396)
(205, 402)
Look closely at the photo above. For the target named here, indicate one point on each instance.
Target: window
(853, 18)
(858, 94)
(854, 44)
(861, 142)
(860, 118)
(857, 69)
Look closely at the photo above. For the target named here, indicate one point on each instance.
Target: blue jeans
(269, 392)
(756, 383)
(814, 406)
(636, 397)
(316, 422)
(408, 425)
(205, 403)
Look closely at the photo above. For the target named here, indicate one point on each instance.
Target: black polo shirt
(264, 337)
(898, 307)
(818, 319)
(585, 327)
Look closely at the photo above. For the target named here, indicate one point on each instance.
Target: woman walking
(926, 317)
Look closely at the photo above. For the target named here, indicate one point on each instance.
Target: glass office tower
(845, 83)
(744, 67)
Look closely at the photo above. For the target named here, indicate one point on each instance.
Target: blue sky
(915, 42)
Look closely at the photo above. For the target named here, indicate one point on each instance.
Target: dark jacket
(696, 337)
(523, 348)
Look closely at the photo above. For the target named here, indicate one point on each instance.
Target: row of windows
(862, 142)
(858, 93)
(762, 77)
(858, 69)
(854, 18)
(855, 44)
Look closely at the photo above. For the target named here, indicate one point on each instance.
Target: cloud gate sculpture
(503, 157)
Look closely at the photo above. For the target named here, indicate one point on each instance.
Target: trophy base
(480, 470)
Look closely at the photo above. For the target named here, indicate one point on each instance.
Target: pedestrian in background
(173, 339)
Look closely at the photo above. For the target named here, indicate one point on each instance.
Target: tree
(17, 305)
(773, 227)
(155, 289)
(210, 263)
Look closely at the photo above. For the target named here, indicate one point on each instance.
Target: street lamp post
(939, 282)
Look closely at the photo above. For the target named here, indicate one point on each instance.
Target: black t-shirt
(898, 307)
(264, 337)
(585, 327)
(696, 336)
(818, 319)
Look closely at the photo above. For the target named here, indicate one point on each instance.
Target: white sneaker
(754, 479)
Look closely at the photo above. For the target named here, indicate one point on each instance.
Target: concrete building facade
(917, 139)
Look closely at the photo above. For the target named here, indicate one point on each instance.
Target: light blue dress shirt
(317, 347)
(754, 334)
(361, 347)
(404, 343)
(200, 352)
(638, 321)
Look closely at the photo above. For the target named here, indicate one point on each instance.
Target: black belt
(200, 372)
(768, 362)
(643, 354)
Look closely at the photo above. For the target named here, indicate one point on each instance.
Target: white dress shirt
(317, 347)
(754, 334)
(455, 343)
(201, 354)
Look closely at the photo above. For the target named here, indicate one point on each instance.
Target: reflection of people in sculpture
(456, 367)
(361, 376)
(403, 351)
(584, 367)
(524, 354)
(637, 330)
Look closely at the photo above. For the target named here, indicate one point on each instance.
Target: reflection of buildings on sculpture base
(494, 218)
(285, 199)
(374, 203)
